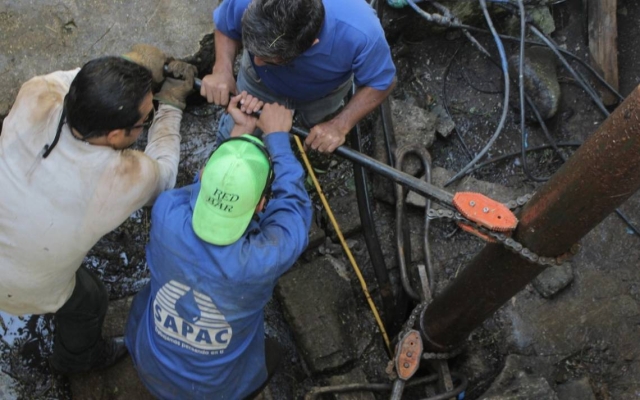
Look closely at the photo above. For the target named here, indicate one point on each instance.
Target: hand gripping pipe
(600, 176)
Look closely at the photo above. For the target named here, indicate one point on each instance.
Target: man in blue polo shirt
(215, 252)
(304, 54)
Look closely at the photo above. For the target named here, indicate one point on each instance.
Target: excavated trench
(571, 341)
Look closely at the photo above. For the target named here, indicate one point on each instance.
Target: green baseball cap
(232, 184)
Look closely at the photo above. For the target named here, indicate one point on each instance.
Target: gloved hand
(175, 91)
(150, 57)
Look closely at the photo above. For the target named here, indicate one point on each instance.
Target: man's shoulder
(44, 92)
(355, 13)
(173, 209)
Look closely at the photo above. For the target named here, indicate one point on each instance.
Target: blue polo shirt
(351, 42)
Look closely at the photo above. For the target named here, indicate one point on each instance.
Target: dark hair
(106, 95)
(281, 30)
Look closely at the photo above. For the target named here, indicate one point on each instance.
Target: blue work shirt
(352, 42)
(197, 329)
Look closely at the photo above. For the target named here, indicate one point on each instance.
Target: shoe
(106, 353)
(110, 351)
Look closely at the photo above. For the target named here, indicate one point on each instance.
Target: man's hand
(326, 137)
(217, 86)
(240, 108)
(275, 118)
(150, 57)
(175, 91)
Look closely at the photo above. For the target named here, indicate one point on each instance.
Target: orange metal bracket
(408, 353)
(485, 212)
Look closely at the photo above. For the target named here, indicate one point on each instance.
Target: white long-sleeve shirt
(53, 210)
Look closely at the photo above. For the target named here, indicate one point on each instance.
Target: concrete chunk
(320, 309)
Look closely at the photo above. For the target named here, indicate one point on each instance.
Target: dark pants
(76, 345)
(273, 359)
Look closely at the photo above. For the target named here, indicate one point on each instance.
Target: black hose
(372, 241)
(538, 148)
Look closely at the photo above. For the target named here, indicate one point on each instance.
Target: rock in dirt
(540, 15)
(540, 79)
(580, 389)
(118, 382)
(553, 279)
(351, 377)
(316, 236)
(523, 388)
(345, 210)
(413, 126)
(522, 378)
(321, 311)
(444, 123)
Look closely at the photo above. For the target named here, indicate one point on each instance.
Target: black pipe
(371, 237)
(419, 186)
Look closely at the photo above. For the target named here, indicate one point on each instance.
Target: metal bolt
(485, 210)
(472, 203)
(409, 353)
(407, 365)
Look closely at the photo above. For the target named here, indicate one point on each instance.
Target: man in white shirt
(68, 178)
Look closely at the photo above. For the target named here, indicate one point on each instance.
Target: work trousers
(273, 359)
(78, 338)
(308, 113)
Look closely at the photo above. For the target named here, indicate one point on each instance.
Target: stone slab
(42, 36)
(579, 389)
(319, 306)
(352, 377)
(119, 382)
(522, 378)
(345, 211)
(553, 279)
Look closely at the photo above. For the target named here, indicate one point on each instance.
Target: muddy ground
(583, 341)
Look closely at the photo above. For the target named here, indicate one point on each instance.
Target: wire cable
(523, 129)
(505, 106)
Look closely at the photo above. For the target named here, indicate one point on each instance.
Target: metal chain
(411, 321)
(508, 242)
(443, 355)
(505, 240)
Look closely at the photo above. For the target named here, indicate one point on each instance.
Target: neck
(96, 141)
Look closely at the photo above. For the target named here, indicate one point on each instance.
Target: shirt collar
(327, 33)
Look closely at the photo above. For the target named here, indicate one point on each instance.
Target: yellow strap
(363, 284)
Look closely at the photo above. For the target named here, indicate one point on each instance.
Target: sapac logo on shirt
(189, 319)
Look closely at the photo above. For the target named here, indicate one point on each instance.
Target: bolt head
(407, 365)
(472, 203)
(485, 210)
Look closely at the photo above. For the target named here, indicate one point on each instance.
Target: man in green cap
(215, 253)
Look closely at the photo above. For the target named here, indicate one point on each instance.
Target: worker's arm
(282, 233)
(328, 136)
(217, 85)
(373, 74)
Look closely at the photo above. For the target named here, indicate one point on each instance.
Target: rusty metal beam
(600, 176)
